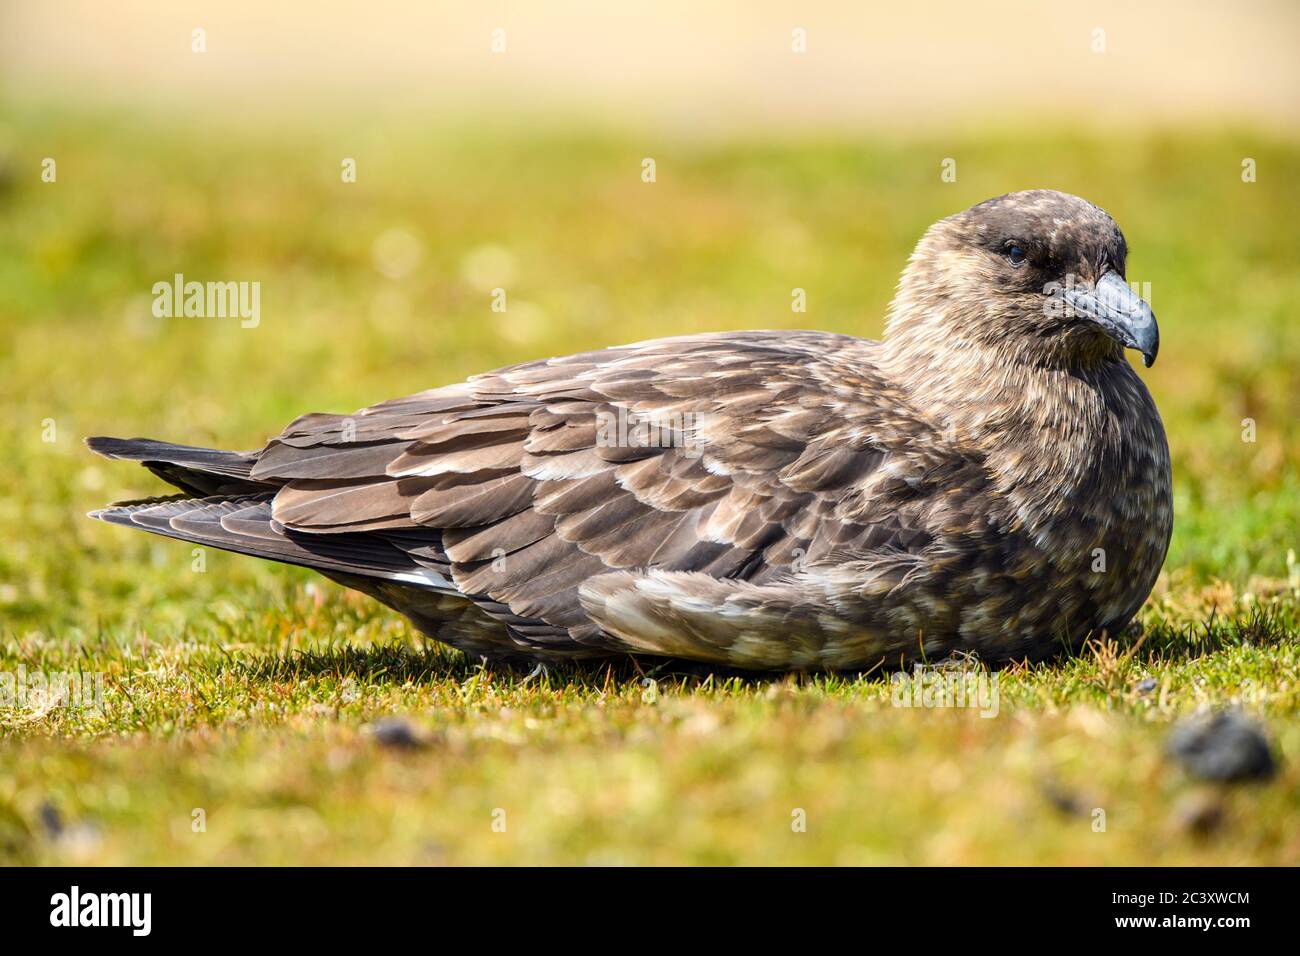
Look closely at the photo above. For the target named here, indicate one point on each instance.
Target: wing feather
(731, 457)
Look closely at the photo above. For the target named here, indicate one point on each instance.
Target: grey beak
(1120, 311)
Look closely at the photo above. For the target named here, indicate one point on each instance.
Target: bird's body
(763, 500)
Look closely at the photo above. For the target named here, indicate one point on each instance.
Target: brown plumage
(993, 476)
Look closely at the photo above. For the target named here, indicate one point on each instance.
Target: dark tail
(231, 511)
(244, 524)
(197, 471)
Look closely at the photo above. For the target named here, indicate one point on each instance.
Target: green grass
(247, 690)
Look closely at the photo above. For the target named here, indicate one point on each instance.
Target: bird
(991, 478)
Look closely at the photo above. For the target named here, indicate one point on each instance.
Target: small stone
(1147, 686)
(51, 820)
(1224, 746)
(1065, 801)
(1200, 814)
(397, 733)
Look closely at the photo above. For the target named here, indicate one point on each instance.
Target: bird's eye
(1015, 253)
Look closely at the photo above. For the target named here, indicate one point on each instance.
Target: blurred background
(505, 146)
(502, 145)
(708, 68)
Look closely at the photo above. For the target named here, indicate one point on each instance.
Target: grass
(250, 692)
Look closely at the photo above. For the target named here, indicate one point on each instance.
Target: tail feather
(243, 524)
(198, 471)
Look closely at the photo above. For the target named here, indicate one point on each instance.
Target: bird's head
(1034, 276)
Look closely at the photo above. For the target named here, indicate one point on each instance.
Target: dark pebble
(1199, 814)
(397, 733)
(51, 820)
(1224, 746)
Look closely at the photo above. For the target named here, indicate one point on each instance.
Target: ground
(244, 704)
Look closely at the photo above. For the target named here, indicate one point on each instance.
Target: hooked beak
(1120, 312)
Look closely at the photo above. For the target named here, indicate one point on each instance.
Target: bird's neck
(1048, 426)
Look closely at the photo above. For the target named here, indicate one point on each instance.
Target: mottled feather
(773, 499)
